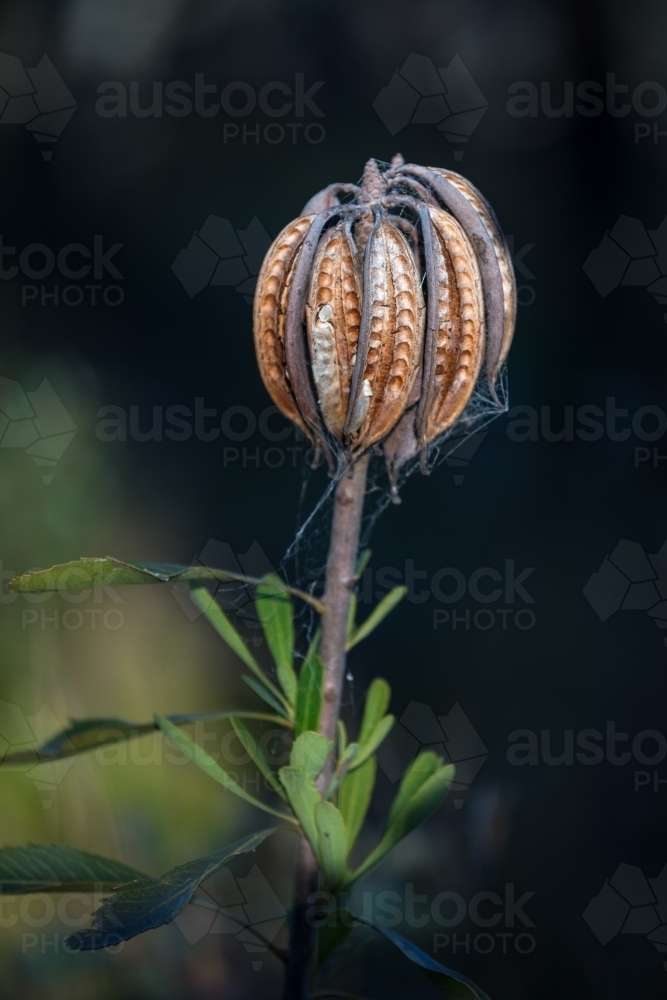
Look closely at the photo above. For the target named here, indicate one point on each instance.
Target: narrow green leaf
(309, 695)
(303, 797)
(422, 804)
(342, 737)
(81, 574)
(378, 614)
(342, 767)
(249, 743)
(422, 767)
(150, 902)
(451, 984)
(274, 609)
(377, 703)
(195, 753)
(351, 617)
(90, 734)
(265, 695)
(333, 845)
(354, 797)
(309, 753)
(373, 741)
(38, 868)
(362, 563)
(221, 623)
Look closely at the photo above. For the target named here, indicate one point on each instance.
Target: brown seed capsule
(488, 217)
(391, 337)
(273, 286)
(332, 323)
(459, 339)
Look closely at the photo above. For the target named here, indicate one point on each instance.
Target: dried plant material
(273, 285)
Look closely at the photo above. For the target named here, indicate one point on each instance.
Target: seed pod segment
(332, 322)
(273, 285)
(390, 340)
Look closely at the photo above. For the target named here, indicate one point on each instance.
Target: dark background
(560, 507)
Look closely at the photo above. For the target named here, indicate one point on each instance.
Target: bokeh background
(558, 507)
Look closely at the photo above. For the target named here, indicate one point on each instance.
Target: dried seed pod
(457, 349)
(273, 285)
(332, 323)
(390, 339)
(492, 226)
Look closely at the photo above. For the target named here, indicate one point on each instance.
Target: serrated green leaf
(377, 703)
(274, 609)
(150, 902)
(37, 868)
(223, 626)
(422, 767)
(203, 760)
(303, 797)
(377, 615)
(417, 809)
(91, 734)
(309, 695)
(451, 984)
(251, 746)
(265, 695)
(354, 797)
(309, 753)
(81, 574)
(333, 845)
(372, 742)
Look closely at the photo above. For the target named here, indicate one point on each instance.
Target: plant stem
(343, 546)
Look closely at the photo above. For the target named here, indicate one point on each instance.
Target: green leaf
(150, 902)
(378, 614)
(90, 734)
(309, 695)
(221, 623)
(341, 731)
(451, 984)
(351, 617)
(274, 609)
(342, 767)
(266, 695)
(59, 869)
(373, 741)
(81, 574)
(250, 745)
(354, 797)
(333, 845)
(303, 797)
(422, 767)
(309, 753)
(377, 703)
(418, 808)
(195, 753)
(362, 563)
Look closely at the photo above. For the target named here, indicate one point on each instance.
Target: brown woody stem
(343, 546)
